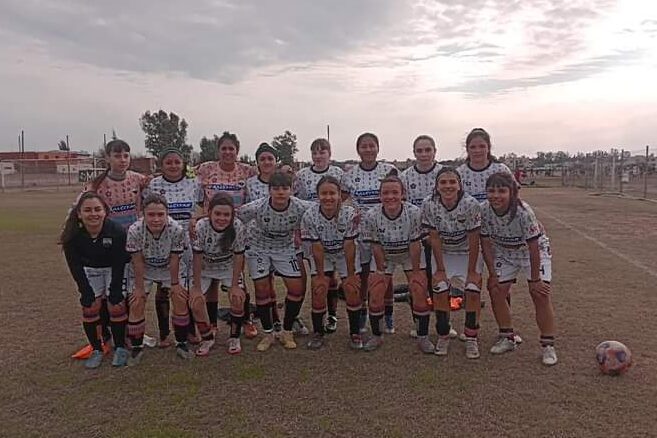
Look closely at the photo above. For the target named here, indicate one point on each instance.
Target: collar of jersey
(277, 210)
(458, 201)
(490, 162)
(312, 169)
(366, 170)
(182, 177)
(392, 218)
(433, 166)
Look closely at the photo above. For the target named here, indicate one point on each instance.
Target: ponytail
(73, 223)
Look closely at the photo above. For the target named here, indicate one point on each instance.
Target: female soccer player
(453, 219)
(183, 194)
(361, 183)
(306, 188)
(120, 189)
(394, 233)
(156, 243)
(258, 185)
(94, 247)
(219, 244)
(512, 240)
(332, 228)
(271, 249)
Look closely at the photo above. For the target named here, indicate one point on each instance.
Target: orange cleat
(83, 353)
(455, 303)
(250, 330)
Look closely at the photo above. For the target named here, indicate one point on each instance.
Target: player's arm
(197, 268)
(119, 257)
(437, 250)
(536, 284)
(238, 268)
(139, 266)
(74, 262)
(415, 252)
(473, 251)
(379, 257)
(318, 256)
(350, 256)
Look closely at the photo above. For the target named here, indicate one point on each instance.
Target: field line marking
(603, 245)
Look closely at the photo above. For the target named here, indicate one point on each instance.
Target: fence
(36, 173)
(627, 172)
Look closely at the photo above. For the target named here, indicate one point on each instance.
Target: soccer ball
(613, 357)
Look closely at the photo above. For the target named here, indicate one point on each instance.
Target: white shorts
(335, 263)
(100, 280)
(161, 276)
(456, 270)
(507, 268)
(393, 262)
(283, 263)
(223, 276)
(365, 252)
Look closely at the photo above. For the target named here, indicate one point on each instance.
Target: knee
(419, 301)
(137, 306)
(118, 312)
(179, 300)
(91, 314)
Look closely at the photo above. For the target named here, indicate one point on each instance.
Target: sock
(236, 326)
(162, 311)
(332, 301)
(180, 331)
(213, 310)
(389, 310)
(191, 328)
(90, 329)
(118, 333)
(547, 341)
(292, 309)
(507, 333)
(442, 322)
(423, 325)
(265, 315)
(354, 321)
(104, 320)
(471, 326)
(375, 323)
(247, 307)
(318, 322)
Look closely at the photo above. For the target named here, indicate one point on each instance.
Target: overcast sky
(538, 75)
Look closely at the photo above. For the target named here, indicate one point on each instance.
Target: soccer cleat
(287, 340)
(150, 341)
(453, 333)
(204, 347)
(316, 342)
(193, 339)
(83, 353)
(250, 330)
(299, 327)
(356, 342)
(136, 357)
(107, 348)
(455, 303)
(120, 358)
(94, 360)
(463, 337)
(471, 348)
(183, 352)
(389, 329)
(442, 345)
(425, 345)
(503, 345)
(373, 343)
(413, 333)
(362, 322)
(549, 355)
(265, 342)
(517, 338)
(278, 329)
(234, 346)
(331, 324)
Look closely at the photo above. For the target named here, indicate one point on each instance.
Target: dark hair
(365, 135)
(503, 179)
(320, 144)
(478, 132)
(73, 223)
(424, 137)
(229, 233)
(266, 147)
(113, 146)
(328, 179)
(227, 136)
(186, 171)
(154, 198)
(280, 179)
(443, 170)
(393, 177)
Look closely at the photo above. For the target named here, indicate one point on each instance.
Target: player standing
(362, 183)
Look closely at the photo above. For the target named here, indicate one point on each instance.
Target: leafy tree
(165, 130)
(286, 147)
(209, 149)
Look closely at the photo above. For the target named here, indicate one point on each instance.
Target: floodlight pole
(22, 150)
(68, 159)
(645, 175)
(622, 159)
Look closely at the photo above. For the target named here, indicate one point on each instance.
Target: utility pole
(622, 174)
(22, 150)
(68, 159)
(613, 170)
(645, 174)
(328, 132)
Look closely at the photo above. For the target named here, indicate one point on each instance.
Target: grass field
(605, 271)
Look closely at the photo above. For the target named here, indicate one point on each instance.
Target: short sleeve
(473, 216)
(346, 183)
(308, 230)
(352, 225)
(178, 239)
(485, 220)
(369, 231)
(247, 212)
(239, 245)
(415, 223)
(428, 217)
(199, 236)
(531, 228)
(135, 239)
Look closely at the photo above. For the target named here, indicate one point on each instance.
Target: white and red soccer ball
(613, 357)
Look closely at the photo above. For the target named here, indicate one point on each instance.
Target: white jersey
(272, 230)
(182, 196)
(331, 232)
(363, 185)
(474, 181)
(393, 234)
(305, 183)
(256, 188)
(418, 184)
(156, 251)
(510, 236)
(452, 225)
(208, 243)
